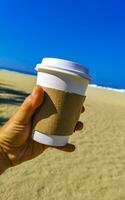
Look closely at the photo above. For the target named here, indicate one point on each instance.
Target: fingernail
(37, 96)
(34, 90)
(37, 88)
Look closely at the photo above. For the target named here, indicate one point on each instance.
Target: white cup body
(65, 82)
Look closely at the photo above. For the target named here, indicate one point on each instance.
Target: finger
(83, 109)
(79, 126)
(38, 148)
(67, 148)
(30, 104)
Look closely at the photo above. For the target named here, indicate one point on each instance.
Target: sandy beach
(95, 171)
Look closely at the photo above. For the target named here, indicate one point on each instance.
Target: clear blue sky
(91, 32)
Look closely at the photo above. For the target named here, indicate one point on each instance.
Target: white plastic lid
(65, 66)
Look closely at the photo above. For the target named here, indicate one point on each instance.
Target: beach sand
(95, 171)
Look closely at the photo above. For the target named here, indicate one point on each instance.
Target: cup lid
(65, 66)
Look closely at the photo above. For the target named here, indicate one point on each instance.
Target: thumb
(30, 104)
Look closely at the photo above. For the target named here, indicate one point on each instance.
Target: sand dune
(95, 171)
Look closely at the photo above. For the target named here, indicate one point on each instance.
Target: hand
(15, 135)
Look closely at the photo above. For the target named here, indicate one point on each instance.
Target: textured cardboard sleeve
(59, 113)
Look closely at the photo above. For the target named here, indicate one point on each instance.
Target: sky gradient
(91, 32)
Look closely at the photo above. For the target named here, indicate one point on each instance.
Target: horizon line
(122, 90)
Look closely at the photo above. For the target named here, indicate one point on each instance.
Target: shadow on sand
(3, 120)
(9, 96)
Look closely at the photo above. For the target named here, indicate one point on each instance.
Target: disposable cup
(65, 83)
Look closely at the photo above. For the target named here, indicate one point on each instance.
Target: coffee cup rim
(63, 66)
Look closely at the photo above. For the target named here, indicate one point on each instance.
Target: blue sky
(91, 32)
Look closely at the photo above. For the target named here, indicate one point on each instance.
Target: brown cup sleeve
(59, 113)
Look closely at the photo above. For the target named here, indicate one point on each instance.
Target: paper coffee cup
(65, 84)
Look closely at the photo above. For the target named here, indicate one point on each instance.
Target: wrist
(5, 163)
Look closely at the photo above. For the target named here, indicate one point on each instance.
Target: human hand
(15, 136)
